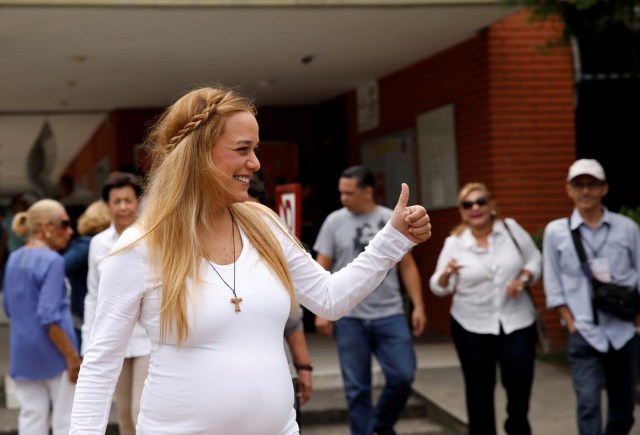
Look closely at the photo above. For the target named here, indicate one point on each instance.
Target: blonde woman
(94, 219)
(43, 355)
(212, 277)
(487, 263)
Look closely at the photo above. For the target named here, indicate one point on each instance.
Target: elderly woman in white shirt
(487, 264)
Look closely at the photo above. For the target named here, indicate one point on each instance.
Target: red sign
(289, 206)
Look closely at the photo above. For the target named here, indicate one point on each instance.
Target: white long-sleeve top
(99, 247)
(480, 302)
(231, 375)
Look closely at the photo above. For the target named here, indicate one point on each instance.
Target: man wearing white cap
(601, 342)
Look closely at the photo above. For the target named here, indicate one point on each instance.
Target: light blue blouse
(35, 296)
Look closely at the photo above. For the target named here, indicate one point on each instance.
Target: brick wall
(514, 118)
(533, 128)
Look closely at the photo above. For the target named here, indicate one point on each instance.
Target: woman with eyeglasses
(43, 355)
(487, 264)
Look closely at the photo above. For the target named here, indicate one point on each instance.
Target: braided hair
(196, 121)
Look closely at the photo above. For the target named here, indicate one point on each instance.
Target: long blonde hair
(466, 190)
(185, 191)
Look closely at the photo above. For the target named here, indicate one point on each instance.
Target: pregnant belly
(247, 395)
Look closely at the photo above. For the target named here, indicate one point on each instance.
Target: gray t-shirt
(294, 324)
(342, 237)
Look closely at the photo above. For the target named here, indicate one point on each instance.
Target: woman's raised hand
(412, 221)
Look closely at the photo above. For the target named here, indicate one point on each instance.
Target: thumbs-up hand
(412, 221)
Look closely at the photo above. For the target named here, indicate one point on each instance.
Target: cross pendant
(237, 302)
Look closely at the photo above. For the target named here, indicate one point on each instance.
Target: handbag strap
(541, 328)
(577, 242)
(515, 242)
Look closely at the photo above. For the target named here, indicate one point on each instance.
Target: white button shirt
(100, 246)
(480, 301)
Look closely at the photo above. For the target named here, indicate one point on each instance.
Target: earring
(493, 212)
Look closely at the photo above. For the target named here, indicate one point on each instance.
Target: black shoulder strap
(577, 242)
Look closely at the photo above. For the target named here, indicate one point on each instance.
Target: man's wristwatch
(305, 367)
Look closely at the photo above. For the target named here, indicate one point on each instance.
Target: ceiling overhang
(88, 57)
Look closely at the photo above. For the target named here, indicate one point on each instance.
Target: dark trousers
(619, 370)
(479, 356)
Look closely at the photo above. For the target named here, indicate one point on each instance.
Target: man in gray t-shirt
(377, 325)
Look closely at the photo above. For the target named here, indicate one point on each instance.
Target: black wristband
(300, 367)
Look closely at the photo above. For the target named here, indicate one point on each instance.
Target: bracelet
(525, 278)
(301, 367)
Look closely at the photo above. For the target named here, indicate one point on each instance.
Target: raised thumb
(403, 199)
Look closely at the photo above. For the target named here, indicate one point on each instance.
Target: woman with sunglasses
(487, 264)
(43, 355)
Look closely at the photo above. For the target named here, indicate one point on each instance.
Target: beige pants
(128, 392)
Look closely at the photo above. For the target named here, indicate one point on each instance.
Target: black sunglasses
(589, 185)
(483, 200)
(63, 223)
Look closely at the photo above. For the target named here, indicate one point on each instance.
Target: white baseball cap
(586, 167)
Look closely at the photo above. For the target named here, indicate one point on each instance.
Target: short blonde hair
(95, 218)
(28, 222)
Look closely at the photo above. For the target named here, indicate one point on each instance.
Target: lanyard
(591, 248)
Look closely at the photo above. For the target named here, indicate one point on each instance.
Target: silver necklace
(235, 299)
